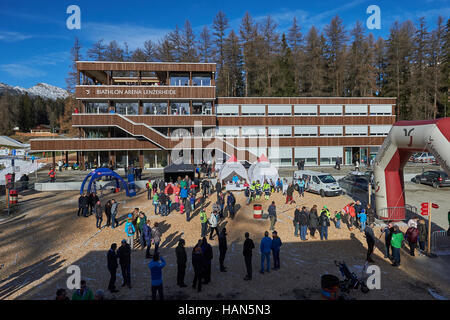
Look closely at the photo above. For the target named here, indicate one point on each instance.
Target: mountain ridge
(43, 90)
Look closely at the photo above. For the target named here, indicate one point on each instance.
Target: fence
(397, 213)
(440, 242)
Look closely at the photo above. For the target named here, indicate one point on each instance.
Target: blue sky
(35, 42)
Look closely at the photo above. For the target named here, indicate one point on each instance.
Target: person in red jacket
(52, 174)
(412, 234)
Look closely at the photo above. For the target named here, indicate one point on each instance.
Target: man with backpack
(114, 211)
(272, 215)
(147, 234)
(303, 221)
(370, 238)
(148, 186)
(396, 243)
(213, 222)
(162, 204)
(324, 224)
(156, 267)
(276, 245)
(412, 235)
(204, 222)
(231, 200)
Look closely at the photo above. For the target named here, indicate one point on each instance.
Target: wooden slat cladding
(135, 144)
(305, 121)
(145, 66)
(144, 92)
(153, 121)
(304, 100)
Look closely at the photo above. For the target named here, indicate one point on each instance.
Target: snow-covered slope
(43, 90)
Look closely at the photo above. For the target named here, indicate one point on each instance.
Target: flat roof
(145, 66)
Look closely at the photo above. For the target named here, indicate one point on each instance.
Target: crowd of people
(189, 194)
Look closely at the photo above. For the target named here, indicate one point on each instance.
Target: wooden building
(149, 113)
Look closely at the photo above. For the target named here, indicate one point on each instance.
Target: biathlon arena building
(149, 113)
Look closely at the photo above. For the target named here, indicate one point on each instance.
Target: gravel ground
(47, 236)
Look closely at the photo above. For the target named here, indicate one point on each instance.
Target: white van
(318, 182)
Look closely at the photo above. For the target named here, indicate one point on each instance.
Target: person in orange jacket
(52, 174)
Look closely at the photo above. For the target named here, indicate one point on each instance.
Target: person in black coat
(81, 202)
(222, 249)
(85, 205)
(162, 185)
(124, 254)
(112, 267)
(218, 188)
(108, 206)
(181, 263)
(248, 247)
(199, 264)
(208, 255)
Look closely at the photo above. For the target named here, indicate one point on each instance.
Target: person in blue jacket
(265, 247)
(156, 267)
(362, 219)
(183, 195)
(279, 185)
(130, 230)
(276, 244)
(147, 232)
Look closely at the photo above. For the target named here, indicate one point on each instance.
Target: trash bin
(330, 286)
(257, 211)
(13, 196)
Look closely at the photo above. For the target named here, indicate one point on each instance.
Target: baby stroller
(351, 281)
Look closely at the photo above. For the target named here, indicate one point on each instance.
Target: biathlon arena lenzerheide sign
(122, 92)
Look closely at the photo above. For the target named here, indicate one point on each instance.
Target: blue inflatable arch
(102, 172)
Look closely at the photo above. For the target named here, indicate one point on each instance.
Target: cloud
(21, 71)
(133, 35)
(11, 36)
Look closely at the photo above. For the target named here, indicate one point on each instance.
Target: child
(192, 201)
(337, 216)
(181, 207)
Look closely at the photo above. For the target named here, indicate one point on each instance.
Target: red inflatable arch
(405, 138)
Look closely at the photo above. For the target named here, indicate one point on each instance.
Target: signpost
(426, 211)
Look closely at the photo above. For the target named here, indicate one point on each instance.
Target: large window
(127, 108)
(330, 131)
(356, 130)
(280, 156)
(201, 79)
(305, 131)
(179, 79)
(257, 110)
(96, 132)
(96, 107)
(280, 131)
(328, 155)
(330, 110)
(308, 154)
(253, 131)
(280, 110)
(157, 107)
(121, 159)
(380, 110)
(227, 110)
(356, 110)
(380, 130)
(227, 131)
(179, 107)
(305, 110)
(201, 107)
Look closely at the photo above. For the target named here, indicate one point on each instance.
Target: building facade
(150, 114)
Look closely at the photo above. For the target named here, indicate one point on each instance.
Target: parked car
(357, 183)
(423, 157)
(318, 182)
(436, 179)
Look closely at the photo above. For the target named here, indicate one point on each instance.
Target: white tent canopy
(262, 170)
(232, 168)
